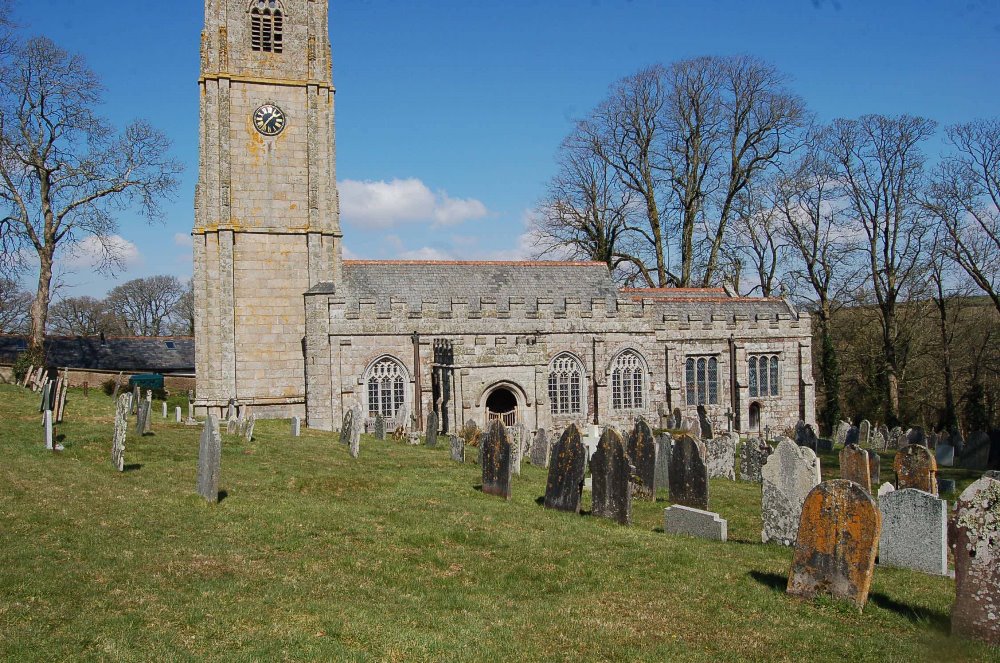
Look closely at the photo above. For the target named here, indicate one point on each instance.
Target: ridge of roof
(507, 263)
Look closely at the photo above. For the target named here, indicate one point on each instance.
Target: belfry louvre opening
(266, 26)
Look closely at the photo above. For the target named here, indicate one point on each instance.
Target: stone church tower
(267, 223)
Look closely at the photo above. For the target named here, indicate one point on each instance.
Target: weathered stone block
(680, 519)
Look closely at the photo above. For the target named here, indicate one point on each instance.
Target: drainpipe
(734, 400)
(418, 406)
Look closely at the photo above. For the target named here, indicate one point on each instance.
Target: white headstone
(164, 409)
(914, 531)
(47, 418)
(296, 426)
(177, 414)
(679, 519)
(788, 476)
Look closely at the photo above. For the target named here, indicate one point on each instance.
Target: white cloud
(426, 253)
(183, 239)
(381, 204)
(92, 253)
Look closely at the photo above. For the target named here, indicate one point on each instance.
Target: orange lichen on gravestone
(837, 542)
(916, 467)
(854, 466)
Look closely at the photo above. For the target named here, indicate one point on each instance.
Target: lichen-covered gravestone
(209, 460)
(564, 488)
(976, 536)
(611, 471)
(347, 427)
(688, 474)
(495, 457)
(840, 433)
(540, 449)
(457, 449)
(122, 408)
(753, 455)
(431, 434)
(836, 543)
(915, 467)
(642, 452)
(914, 531)
(141, 418)
(854, 466)
(248, 427)
(664, 444)
(864, 433)
(379, 427)
(788, 476)
(721, 457)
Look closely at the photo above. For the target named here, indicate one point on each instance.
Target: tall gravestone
(347, 427)
(854, 466)
(976, 536)
(976, 454)
(788, 476)
(122, 407)
(297, 427)
(721, 457)
(642, 452)
(431, 434)
(688, 474)
(864, 433)
(664, 448)
(916, 435)
(915, 467)
(611, 471)
(805, 435)
(495, 457)
(753, 455)
(540, 449)
(457, 449)
(853, 436)
(914, 531)
(704, 423)
(379, 427)
(836, 543)
(141, 418)
(209, 460)
(248, 427)
(564, 488)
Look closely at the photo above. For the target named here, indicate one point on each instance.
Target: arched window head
(628, 381)
(386, 384)
(565, 385)
(267, 22)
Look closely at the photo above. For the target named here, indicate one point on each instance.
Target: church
(288, 327)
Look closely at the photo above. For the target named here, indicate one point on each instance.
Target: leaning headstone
(136, 399)
(854, 466)
(61, 400)
(540, 449)
(431, 435)
(142, 418)
(495, 457)
(864, 433)
(122, 407)
(976, 536)
(661, 478)
(45, 402)
(788, 476)
(721, 457)
(47, 424)
(875, 467)
(457, 448)
(248, 427)
(688, 474)
(944, 454)
(611, 471)
(836, 543)
(753, 455)
(379, 427)
(297, 427)
(914, 531)
(27, 376)
(679, 519)
(209, 460)
(347, 427)
(642, 452)
(564, 488)
(704, 423)
(915, 467)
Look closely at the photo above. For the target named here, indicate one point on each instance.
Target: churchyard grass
(312, 555)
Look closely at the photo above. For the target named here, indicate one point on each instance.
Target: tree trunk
(830, 371)
(40, 307)
(891, 366)
(950, 418)
(653, 213)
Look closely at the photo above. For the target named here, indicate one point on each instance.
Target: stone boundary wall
(77, 376)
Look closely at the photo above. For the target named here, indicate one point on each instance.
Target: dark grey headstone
(753, 455)
(977, 452)
(853, 435)
(379, 427)
(347, 428)
(611, 476)
(142, 418)
(495, 456)
(945, 485)
(540, 449)
(805, 436)
(568, 464)
(457, 448)
(664, 444)
(688, 474)
(431, 436)
(916, 435)
(642, 453)
(209, 460)
(875, 466)
(46, 400)
(824, 445)
(705, 424)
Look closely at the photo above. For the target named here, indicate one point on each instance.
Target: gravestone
(677, 419)
(885, 489)
(164, 409)
(945, 486)
(177, 414)
(47, 426)
(992, 474)
(852, 436)
(704, 423)
(840, 434)
(611, 470)
(45, 402)
(642, 453)
(915, 467)
(136, 399)
(914, 531)
(836, 543)
(297, 427)
(248, 427)
(431, 434)
(721, 457)
(932, 440)
(457, 448)
(141, 418)
(875, 467)
(854, 466)
(61, 400)
(878, 442)
(27, 376)
(895, 435)
(679, 519)
(956, 440)
(976, 455)
(916, 435)
(519, 443)
(190, 418)
(379, 427)
(122, 407)
(347, 427)
(209, 460)
(691, 426)
(564, 488)
(688, 474)
(753, 455)
(944, 455)
(805, 435)
(233, 426)
(864, 433)
(661, 478)
(788, 476)
(495, 457)
(976, 536)
(540, 449)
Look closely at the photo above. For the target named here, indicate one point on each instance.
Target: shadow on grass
(223, 494)
(132, 467)
(772, 580)
(478, 487)
(540, 501)
(940, 621)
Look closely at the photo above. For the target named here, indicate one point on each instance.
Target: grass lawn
(396, 555)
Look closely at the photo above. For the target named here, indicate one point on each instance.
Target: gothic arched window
(763, 375)
(267, 21)
(628, 380)
(565, 384)
(701, 380)
(386, 382)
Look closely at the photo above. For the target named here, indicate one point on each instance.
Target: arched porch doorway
(755, 417)
(502, 404)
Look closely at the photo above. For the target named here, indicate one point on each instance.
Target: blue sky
(449, 112)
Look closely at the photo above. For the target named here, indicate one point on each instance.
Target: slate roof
(440, 280)
(707, 302)
(114, 353)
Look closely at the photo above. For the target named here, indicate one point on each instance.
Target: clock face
(269, 120)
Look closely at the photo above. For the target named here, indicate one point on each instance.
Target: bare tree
(15, 307)
(755, 236)
(81, 316)
(881, 165)
(183, 317)
(64, 172)
(145, 307)
(965, 195)
(945, 291)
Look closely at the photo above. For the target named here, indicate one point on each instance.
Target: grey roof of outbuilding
(444, 281)
(145, 354)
